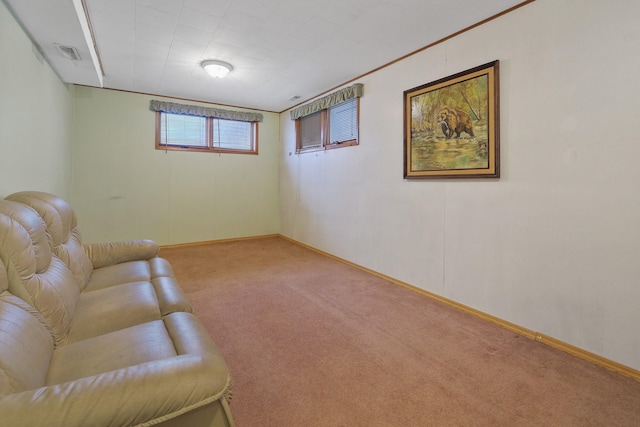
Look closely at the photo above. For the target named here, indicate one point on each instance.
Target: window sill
(203, 150)
(327, 147)
(341, 144)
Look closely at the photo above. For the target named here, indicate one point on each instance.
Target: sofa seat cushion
(126, 272)
(160, 267)
(171, 297)
(142, 375)
(116, 350)
(110, 309)
(133, 271)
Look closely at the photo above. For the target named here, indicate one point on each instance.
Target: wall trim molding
(211, 242)
(528, 333)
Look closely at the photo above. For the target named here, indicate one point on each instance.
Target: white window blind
(233, 135)
(182, 130)
(343, 122)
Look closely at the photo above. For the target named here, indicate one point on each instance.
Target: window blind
(343, 122)
(232, 135)
(311, 131)
(176, 129)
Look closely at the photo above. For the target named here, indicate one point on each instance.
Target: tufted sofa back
(34, 273)
(62, 225)
(27, 345)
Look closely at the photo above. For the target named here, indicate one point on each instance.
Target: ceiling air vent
(68, 52)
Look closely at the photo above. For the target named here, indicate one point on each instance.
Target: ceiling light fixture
(216, 69)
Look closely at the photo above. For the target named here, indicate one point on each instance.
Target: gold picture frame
(451, 126)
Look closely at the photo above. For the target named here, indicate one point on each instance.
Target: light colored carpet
(311, 342)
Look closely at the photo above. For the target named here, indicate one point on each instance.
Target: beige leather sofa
(97, 335)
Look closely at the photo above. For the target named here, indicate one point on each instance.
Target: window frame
(325, 127)
(210, 147)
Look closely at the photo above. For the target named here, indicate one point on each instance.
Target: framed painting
(451, 126)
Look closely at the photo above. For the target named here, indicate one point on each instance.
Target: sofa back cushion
(62, 225)
(34, 273)
(27, 346)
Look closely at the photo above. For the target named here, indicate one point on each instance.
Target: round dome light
(216, 69)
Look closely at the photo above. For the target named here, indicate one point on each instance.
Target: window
(310, 131)
(329, 122)
(178, 130)
(333, 127)
(343, 122)
(233, 135)
(197, 133)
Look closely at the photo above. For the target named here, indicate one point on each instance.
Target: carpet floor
(311, 341)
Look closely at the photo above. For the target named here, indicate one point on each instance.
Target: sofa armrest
(138, 395)
(106, 254)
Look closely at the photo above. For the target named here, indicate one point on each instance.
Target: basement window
(332, 127)
(202, 129)
(329, 122)
(195, 133)
(310, 131)
(343, 123)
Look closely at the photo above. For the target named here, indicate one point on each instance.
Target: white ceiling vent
(68, 52)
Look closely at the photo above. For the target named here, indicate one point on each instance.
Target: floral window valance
(196, 110)
(353, 91)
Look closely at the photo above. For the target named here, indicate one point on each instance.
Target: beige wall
(124, 188)
(35, 117)
(551, 246)
(95, 147)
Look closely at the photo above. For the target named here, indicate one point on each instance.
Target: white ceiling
(278, 48)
